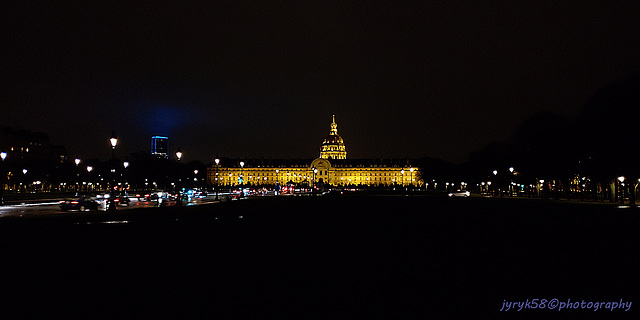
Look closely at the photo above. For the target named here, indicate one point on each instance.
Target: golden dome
(333, 146)
(333, 139)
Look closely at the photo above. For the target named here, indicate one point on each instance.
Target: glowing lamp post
(89, 169)
(3, 155)
(125, 165)
(77, 162)
(411, 181)
(315, 172)
(540, 188)
(24, 179)
(179, 200)
(113, 141)
(411, 170)
(621, 188)
(217, 162)
(511, 183)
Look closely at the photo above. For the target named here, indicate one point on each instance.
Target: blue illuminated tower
(160, 147)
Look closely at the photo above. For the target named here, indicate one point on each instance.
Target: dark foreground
(340, 257)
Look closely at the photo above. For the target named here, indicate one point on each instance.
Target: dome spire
(334, 126)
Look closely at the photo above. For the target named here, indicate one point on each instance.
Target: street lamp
(3, 155)
(24, 179)
(241, 172)
(541, 188)
(179, 200)
(411, 169)
(315, 172)
(113, 140)
(89, 169)
(495, 173)
(217, 161)
(621, 188)
(511, 183)
(124, 177)
(77, 162)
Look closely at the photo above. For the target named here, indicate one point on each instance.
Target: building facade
(331, 168)
(27, 147)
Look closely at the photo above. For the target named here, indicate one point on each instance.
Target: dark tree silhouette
(600, 142)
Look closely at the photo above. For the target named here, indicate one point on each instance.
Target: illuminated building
(333, 146)
(331, 168)
(160, 147)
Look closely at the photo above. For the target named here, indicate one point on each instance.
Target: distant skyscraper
(160, 147)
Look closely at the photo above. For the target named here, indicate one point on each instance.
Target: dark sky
(241, 79)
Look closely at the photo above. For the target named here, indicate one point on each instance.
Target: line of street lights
(113, 141)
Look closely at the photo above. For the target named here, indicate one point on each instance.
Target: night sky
(261, 80)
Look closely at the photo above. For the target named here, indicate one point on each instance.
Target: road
(322, 257)
(50, 207)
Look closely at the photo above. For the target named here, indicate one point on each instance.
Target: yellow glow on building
(333, 146)
(332, 168)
